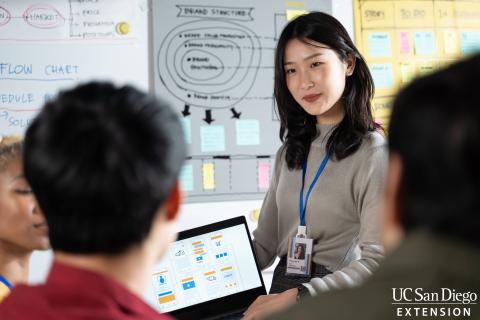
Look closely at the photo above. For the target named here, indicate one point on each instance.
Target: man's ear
(392, 228)
(173, 202)
(350, 64)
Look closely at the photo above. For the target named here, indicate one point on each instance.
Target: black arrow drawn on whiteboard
(208, 116)
(186, 111)
(235, 113)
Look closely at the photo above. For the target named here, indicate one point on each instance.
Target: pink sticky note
(263, 175)
(404, 42)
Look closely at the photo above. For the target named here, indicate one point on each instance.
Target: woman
(22, 225)
(329, 171)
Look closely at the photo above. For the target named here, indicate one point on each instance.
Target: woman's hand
(266, 305)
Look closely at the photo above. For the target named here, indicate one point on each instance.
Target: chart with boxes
(204, 268)
(404, 39)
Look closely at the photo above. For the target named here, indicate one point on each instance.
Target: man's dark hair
(435, 128)
(101, 160)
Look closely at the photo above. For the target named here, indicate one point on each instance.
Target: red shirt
(72, 293)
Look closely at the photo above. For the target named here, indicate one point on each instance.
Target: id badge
(299, 255)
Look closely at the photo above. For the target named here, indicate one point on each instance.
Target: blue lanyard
(5, 282)
(319, 172)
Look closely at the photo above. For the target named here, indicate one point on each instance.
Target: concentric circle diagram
(209, 63)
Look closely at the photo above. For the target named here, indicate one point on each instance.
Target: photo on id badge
(299, 256)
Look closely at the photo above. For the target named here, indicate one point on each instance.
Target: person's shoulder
(353, 303)
(374, 139)
(24, 302)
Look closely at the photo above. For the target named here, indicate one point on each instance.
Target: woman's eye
(290, 71)
(23, 191)
(316, 64)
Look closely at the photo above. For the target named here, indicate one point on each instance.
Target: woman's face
(315, 77)
(23, 226)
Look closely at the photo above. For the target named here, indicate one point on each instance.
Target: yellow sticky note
(414, 14)
(450, 42)
(426, 67)
(469, 11)
(208, 173)
(295, 4)
(407, 71)
(377, 14)
(292, 14)
(444, 13)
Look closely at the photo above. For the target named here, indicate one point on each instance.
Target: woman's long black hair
(297, 127)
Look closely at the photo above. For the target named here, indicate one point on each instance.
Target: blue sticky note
(187, 129)
(248, 132)
(470, 42)
(212, 138)
(382, 75)
(424, 43)
(379, 44)
(186, 178)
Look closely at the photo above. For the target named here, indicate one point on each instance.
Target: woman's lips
(311, 97)
(41, 226)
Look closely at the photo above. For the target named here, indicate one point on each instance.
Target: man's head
(103, 163)
(434, 139)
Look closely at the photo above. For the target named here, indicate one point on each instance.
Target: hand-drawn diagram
(54, 44)
(214, 63)
(209, 64)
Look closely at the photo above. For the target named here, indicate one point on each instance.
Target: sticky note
(426, 67)
(186, 178)
(377, 14)
(187, 129)
(424, 43)
(404, 42)
(450, 42)
(212, 138)
(248, 132)
(379, 44)
(292, 14)
(382, 75)
(470, 42)
(263, 175)
(407, 71)
(295, 4)
(208, 175)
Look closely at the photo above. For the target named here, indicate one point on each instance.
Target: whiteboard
(213, 60)
(55, 44)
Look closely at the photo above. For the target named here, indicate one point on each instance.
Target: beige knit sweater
(342, 214)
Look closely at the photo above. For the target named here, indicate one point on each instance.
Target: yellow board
(377, 14)
(445, 13)
(413, 13)
(405, 39)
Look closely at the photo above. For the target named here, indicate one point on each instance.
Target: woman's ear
(350, 64)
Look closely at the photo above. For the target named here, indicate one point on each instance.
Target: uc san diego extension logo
(418, 302)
